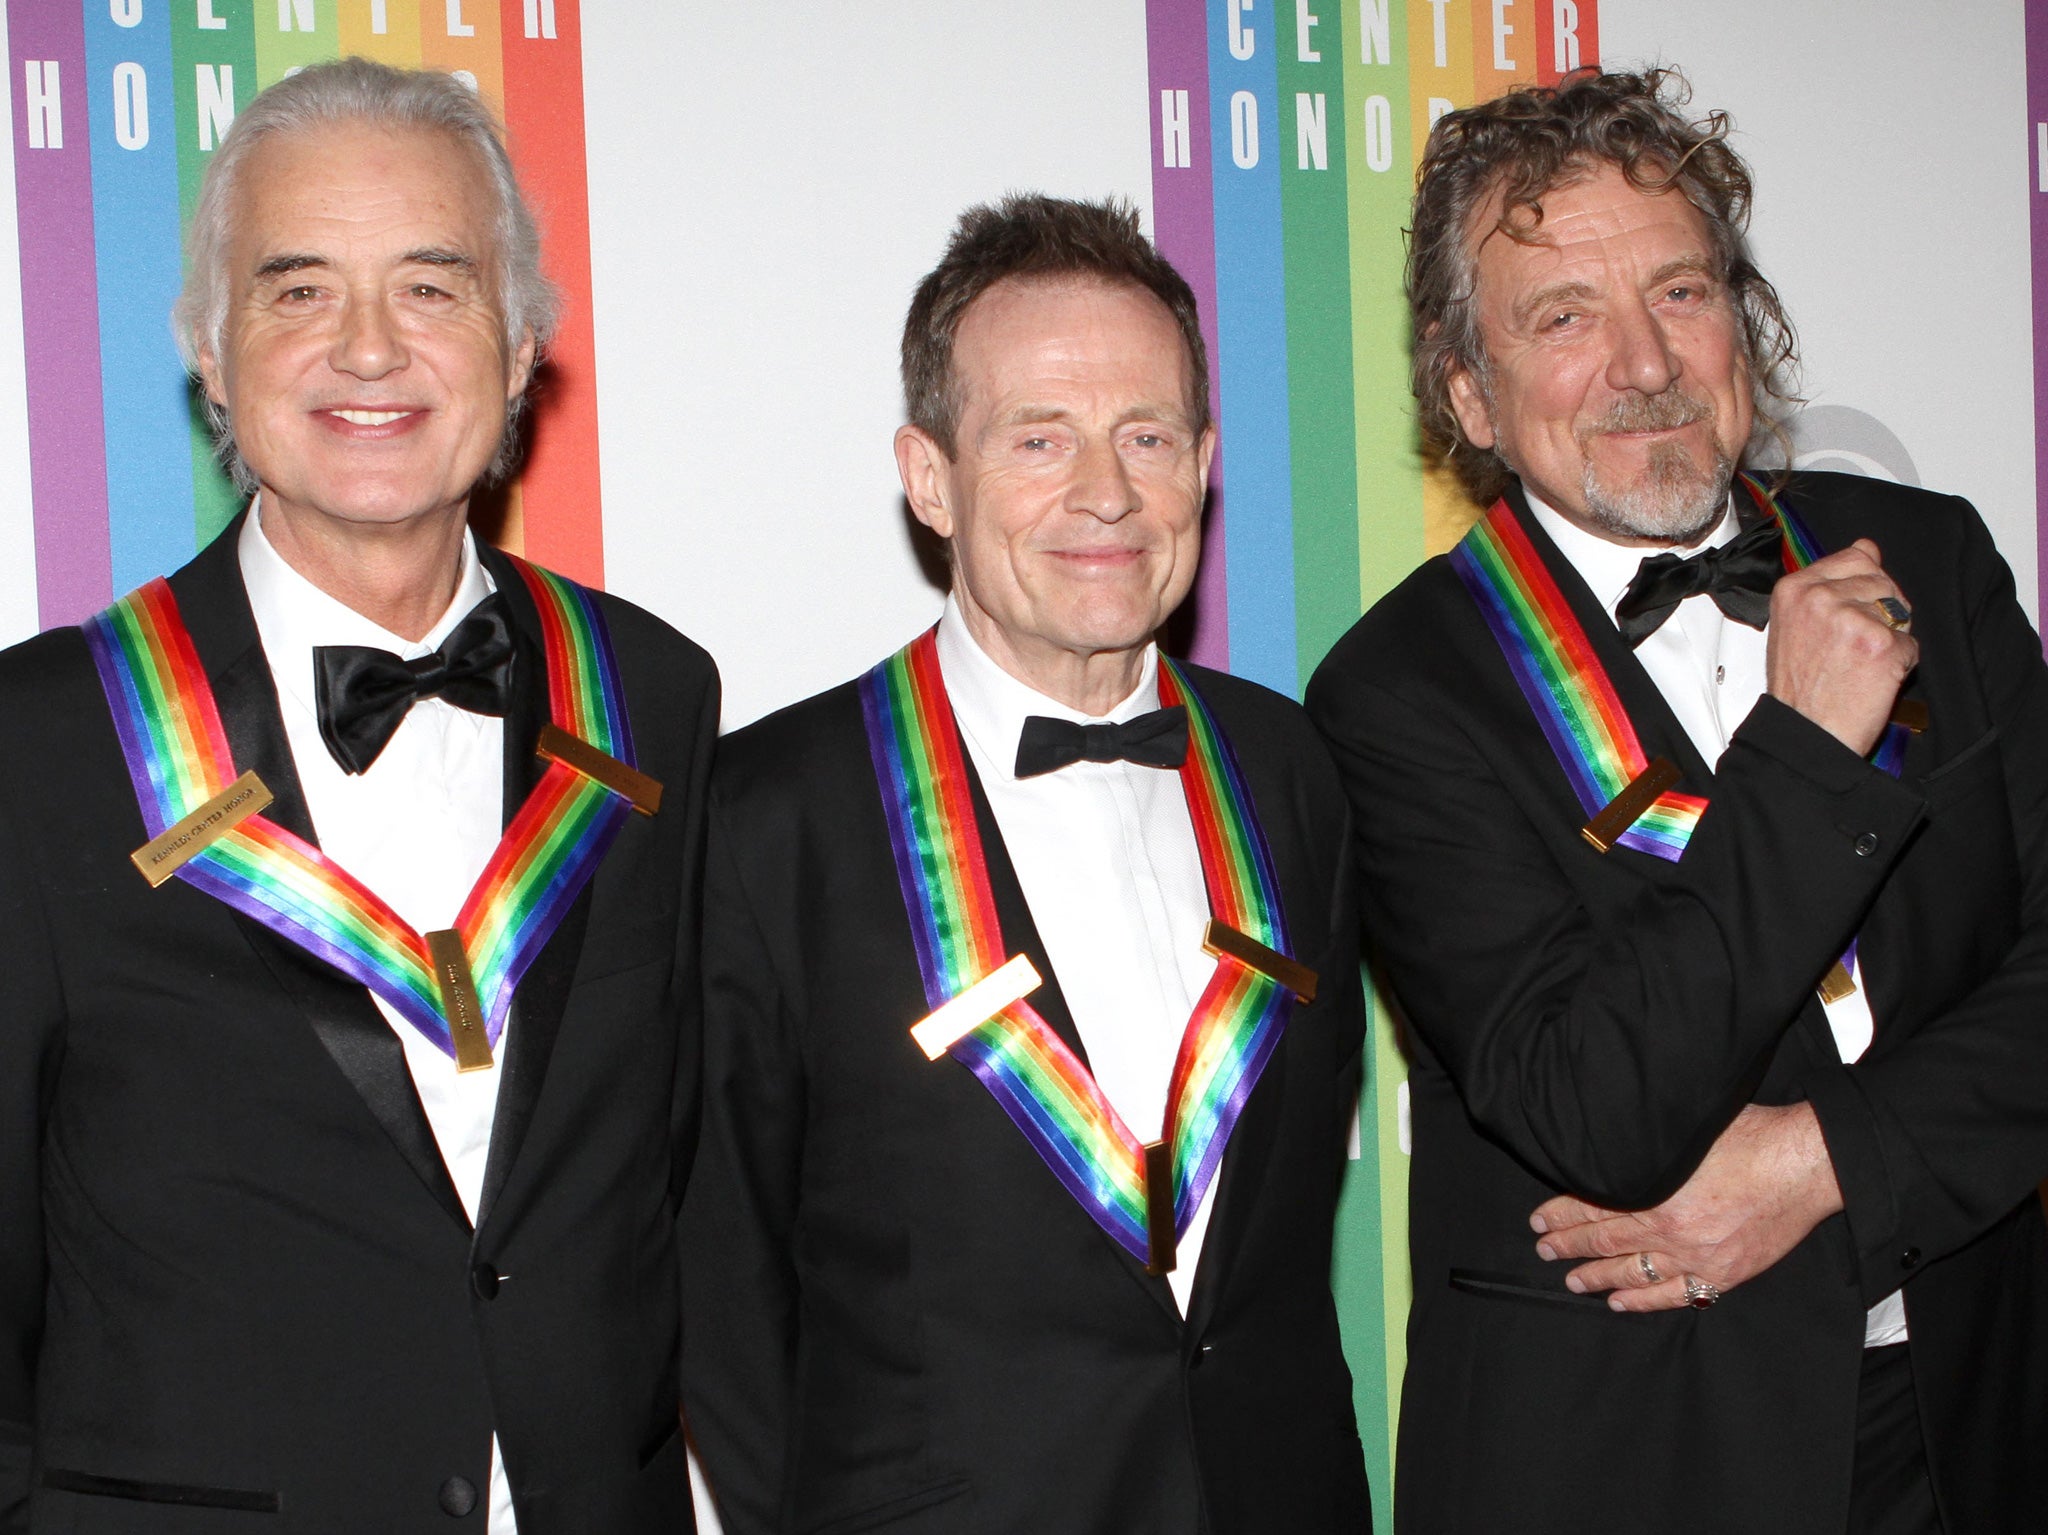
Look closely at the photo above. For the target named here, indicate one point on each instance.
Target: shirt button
(458, 1496)
(1866, 844)
(1720, 674)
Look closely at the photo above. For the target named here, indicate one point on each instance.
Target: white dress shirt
(1106, 855)
(417, 827)
(1710, 670)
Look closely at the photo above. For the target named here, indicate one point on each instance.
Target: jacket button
(1195, 1359)
(458, 1496)
(1910, 1258)
(483, 1278)
(1866, 844)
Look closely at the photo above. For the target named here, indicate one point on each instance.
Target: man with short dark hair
(1703, 837)
(1034, 1022)
(347, 918)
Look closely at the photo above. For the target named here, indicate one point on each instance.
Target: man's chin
(1672, 508)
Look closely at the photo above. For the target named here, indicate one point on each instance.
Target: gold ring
(1896, 614)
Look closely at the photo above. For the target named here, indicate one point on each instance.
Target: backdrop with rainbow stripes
(1285, 135)
(119, 104)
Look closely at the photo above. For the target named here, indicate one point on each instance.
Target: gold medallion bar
(1912, 713)
(169, 851)
(1161, 1242)
(1837, 983)
(459, 1001)
(1220, 940)
(943, 1027)
(1627, 807)
(557, 745)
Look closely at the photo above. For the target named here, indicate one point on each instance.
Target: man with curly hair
(1702, 823)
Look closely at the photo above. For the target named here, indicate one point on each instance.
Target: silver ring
(1648, 1268)
(1699, 1294)
(1896, 614)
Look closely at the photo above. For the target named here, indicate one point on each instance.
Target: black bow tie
(363, 693)
(1738, 576)
(1158, 739)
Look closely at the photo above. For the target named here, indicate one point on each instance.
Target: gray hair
(357, 90)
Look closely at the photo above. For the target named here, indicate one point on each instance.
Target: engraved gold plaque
(1161, 1242)
(459, 1001)
(1837, 984)
(943, 1026)
(1627, 807)
(630, 784)
(163, 855)
(1296, 977)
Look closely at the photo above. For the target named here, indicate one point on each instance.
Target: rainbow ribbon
(178, 758)
(1041, 1084)
(1573, 697)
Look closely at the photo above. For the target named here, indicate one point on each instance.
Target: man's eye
(1684, 293)
(302, 294)
(1148, 440)
(1036, 444)
(427, 290)
(1564, 319)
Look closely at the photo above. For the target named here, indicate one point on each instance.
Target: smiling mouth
(370, 417)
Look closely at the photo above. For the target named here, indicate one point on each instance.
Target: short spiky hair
(1522, 145)
(1031, 237)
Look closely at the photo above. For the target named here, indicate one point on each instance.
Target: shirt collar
(991, 705)
(293, 615)
(1608, 567)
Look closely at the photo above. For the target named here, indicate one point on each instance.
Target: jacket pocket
(880, 1514)
(1501, 1286)
(57, 1479)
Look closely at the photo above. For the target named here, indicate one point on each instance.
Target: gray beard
(1674, 503)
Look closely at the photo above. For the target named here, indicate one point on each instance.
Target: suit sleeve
(1605, 1054)
(31, 1032)
(1935, 1140)
(739, 1217)
(689, 990)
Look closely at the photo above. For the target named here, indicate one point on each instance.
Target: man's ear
(1468, 403)
(522, 366)
(210, 375)
(1205, 454)
(922, 464)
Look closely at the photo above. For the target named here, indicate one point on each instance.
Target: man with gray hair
(347, 923)
(1702, 822)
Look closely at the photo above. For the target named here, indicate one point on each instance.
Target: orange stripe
(559, 492)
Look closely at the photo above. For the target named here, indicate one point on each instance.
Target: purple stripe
(1051, 1142)
(117, 679)
(1515, 649)
(2037, 221)
(60, 323)
(890, 776)
(1184, 226)
(1265, 1039)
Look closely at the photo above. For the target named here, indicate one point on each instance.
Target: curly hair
(1516, 148)
(1032, 237)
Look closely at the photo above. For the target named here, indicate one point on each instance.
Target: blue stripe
(1251, 333)
(136, 225)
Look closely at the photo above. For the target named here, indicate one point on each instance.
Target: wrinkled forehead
(362, 173)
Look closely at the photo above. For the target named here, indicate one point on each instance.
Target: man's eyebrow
(280, 266)
(1548, 297)
(435, 255)
(1691, 265)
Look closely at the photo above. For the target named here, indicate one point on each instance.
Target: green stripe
(1316, 260)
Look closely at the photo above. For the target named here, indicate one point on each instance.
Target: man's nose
(1642, 359)
(1102, 485)
(368, 342)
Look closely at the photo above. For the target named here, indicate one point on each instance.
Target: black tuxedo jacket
(238, 1289)
(1590, 1023)
(917, 1328)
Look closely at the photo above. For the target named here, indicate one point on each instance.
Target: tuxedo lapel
(1245, 1158)
(543, 992)
(215, 607)
(1020, 936)
(1657, 728)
